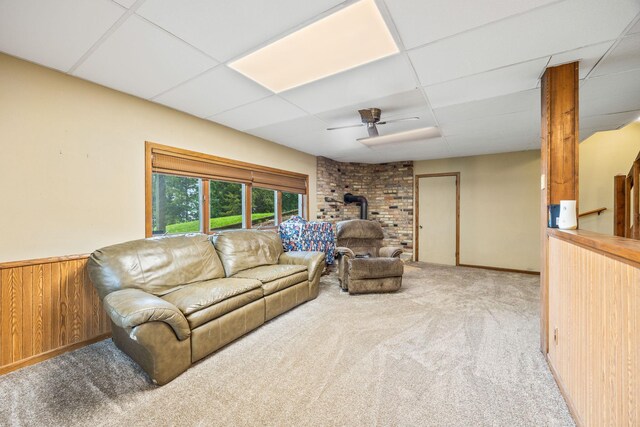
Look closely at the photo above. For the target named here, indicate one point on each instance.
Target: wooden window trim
(221, 169)
(205, 211)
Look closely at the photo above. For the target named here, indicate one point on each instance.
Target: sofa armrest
(314, 262)
(345, 252)
(129, 308)
(390, 252)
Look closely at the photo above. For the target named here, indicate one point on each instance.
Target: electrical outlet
(555, 336)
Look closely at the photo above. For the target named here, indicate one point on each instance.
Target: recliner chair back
(363, 237)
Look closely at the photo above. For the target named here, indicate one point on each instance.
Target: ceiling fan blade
(372, 129)
(398, 120)
(345, 127)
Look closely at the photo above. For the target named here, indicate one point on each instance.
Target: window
(263, 208)
(190, 192)
(225, 205)
(176, 204)
(291, 205)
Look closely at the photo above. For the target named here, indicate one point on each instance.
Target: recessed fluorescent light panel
(399, 137)
(346, 39)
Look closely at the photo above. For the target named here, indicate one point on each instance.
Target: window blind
(202, 166)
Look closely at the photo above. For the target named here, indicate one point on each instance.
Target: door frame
(416, 252)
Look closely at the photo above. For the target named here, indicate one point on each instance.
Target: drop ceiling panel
(515, 78)
(141, 59)
(464, 146)
(424, 21)
(528, 100)
(481, 151)
(624, 57)
(479, 63)
(54, 33)
(522, 38)
(298, 133)
(261, 113)
(588, 57)
(126, 3)
(213, 92)
(426, 119)
(435, 148)
(609, 94)
(520, 122)
(587, 133)
(225, 29)
(372, 81)
(609, 121)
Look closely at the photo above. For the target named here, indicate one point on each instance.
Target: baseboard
(507, 270)
(49, 354)
(563, 392)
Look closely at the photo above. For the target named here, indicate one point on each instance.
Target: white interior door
(437, 220)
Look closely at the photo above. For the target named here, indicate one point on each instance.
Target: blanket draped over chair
(298, 234)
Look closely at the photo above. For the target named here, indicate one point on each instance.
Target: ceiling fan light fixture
(348, 38)
(400, 137)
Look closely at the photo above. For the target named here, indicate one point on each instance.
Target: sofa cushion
(243, 249)
(275, 278)
(204, 301)
(156, 265)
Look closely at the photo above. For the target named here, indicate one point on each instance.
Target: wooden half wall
(47, 307)
(594, 324)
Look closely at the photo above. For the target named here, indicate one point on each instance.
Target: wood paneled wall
(47, 307)
(594, 333)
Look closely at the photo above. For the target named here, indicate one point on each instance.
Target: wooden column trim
(619, 205)
(148, 179)
(278, 210)
(205, 222)
(305, 214)
(636, 202)
(559, 163)
(247, 205)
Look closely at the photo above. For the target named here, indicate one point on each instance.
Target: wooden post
(635, 210)
(559, 163)
(627, 206)
(618, 205)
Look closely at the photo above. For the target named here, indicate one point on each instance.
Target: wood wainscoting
(594, 326)
(47, 307)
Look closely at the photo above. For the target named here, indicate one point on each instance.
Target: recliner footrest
(374, 268)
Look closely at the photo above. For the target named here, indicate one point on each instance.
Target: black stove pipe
(364, 205)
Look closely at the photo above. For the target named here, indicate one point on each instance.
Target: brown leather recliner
(364, 265)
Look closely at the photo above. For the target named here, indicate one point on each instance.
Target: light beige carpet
(455, 347)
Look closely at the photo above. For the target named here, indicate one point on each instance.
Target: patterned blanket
(298, 234)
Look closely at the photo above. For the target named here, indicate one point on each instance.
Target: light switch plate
(543, 181)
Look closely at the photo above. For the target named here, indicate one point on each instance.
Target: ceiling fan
(371, 119)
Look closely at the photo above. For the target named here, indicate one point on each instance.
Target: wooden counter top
(620, 247)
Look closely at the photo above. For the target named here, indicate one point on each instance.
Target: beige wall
(602, 156)
(72, 160)
(499, 207)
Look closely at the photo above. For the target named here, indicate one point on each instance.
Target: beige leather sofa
(174, 300)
